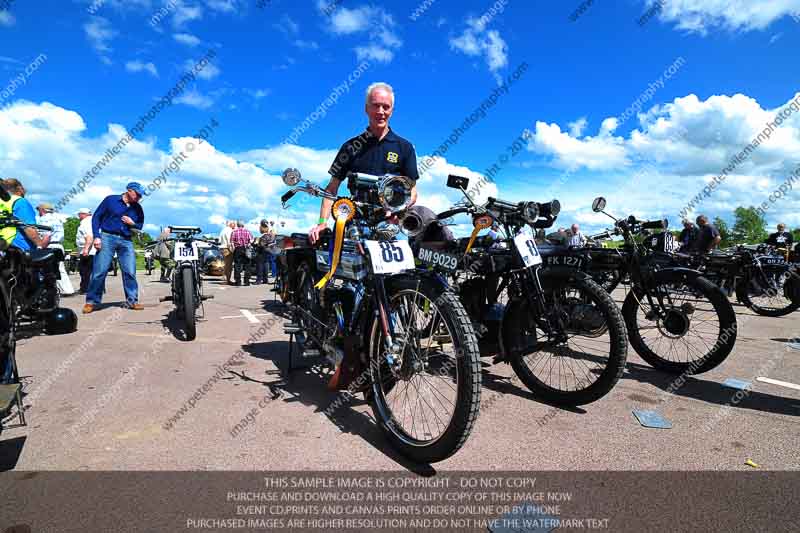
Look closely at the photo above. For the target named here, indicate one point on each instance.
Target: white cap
(84, 211)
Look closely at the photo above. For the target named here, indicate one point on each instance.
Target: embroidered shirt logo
(392, 157)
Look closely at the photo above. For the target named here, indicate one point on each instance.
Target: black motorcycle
(562, 334)
(399, 336)
(187, 281)
(760, 276)
(678, 320)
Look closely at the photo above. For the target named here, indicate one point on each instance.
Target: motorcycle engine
(586, 319)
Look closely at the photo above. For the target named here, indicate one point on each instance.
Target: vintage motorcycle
(761, 277)
(187, 281)
(678, 320)
(562, 334)
(399, 336)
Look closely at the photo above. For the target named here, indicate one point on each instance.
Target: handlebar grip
(502, 203)
(654, 224)
(451, 212)
(4, 194)
(287, 196)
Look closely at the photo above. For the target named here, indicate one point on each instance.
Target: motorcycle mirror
(457, 182)
(598, 204)
(291, 177)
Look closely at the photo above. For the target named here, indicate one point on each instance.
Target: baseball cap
(136, 186)
(84, 211)
(263, 221)
(46, 206)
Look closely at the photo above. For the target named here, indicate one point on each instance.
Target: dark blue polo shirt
(108, 217)
(366, 154)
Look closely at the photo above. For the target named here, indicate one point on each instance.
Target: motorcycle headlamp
(394, 193)
(530, 212)
(344, 209)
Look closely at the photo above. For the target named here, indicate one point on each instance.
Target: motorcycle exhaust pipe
(412, 224)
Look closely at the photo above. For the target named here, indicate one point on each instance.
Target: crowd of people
(240, 248)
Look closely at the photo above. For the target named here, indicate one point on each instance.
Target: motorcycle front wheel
(691, 329)
(189, 307)
(771, 292)
(583, 366)
(426, 392)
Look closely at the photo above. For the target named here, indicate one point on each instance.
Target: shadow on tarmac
(309, 386)
(711, 391)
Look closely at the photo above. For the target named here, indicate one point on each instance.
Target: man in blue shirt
(26, 239)
(112, 223)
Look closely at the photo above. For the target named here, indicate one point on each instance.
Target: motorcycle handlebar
(451, 212)
(288, 196)
(654, 224)
(502, 204)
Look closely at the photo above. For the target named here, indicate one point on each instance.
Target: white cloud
(306, 45)
(100, 33)
(287, 25)
(225, 6)
(138, 66)
(594, 153)
(209, 72)
(184, 14)
(476, 41)
(187, 39)
(374, 52)
(194, 98)
(7, 19)
(734, 15)
(258, 94)
(377, 24)
(576, 128)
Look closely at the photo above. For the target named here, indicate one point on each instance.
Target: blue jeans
(102, 262)
(273, 262)
(261, 267)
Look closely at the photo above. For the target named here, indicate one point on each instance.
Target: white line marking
(240, 316)
(779, 383)
(250, 316)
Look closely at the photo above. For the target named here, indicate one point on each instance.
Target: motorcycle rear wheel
(440, 366)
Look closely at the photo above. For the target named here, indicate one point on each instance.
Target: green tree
(749, 226)
(70, 230)
(724, 232)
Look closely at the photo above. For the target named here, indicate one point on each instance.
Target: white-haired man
(83, 244)
(377, 151)
(47, 217)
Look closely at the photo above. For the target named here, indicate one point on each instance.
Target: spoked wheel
(307, 301)
(692, 330)
(579, 364)
(189, 304)
(607, 279)
(426, 391)
(771, 293)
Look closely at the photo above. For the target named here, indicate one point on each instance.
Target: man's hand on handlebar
(313, 233)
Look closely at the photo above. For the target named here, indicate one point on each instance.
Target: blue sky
(733, 66)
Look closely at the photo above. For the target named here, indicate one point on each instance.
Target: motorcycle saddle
(45, 256)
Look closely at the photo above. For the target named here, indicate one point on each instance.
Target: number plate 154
(185, 252)
(390, 257)
(527, 249)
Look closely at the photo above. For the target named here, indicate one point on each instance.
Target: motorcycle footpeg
(310, 353)
(209, 297)
(291, 328)
(165, 299)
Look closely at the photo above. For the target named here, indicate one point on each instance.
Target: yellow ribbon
(480, 223)
(337, 252)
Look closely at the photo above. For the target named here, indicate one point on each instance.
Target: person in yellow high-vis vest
(27, 238)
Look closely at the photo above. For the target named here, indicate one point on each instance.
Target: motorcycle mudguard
(791, 289)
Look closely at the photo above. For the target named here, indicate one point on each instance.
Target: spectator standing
(163, 253)
(688, 236)
(576, 238)
(263, 257)
(226, 249)
(48, 218)
(112, 223)
(241, 239)
(708, 236)
(83, 245)
(781, 238)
